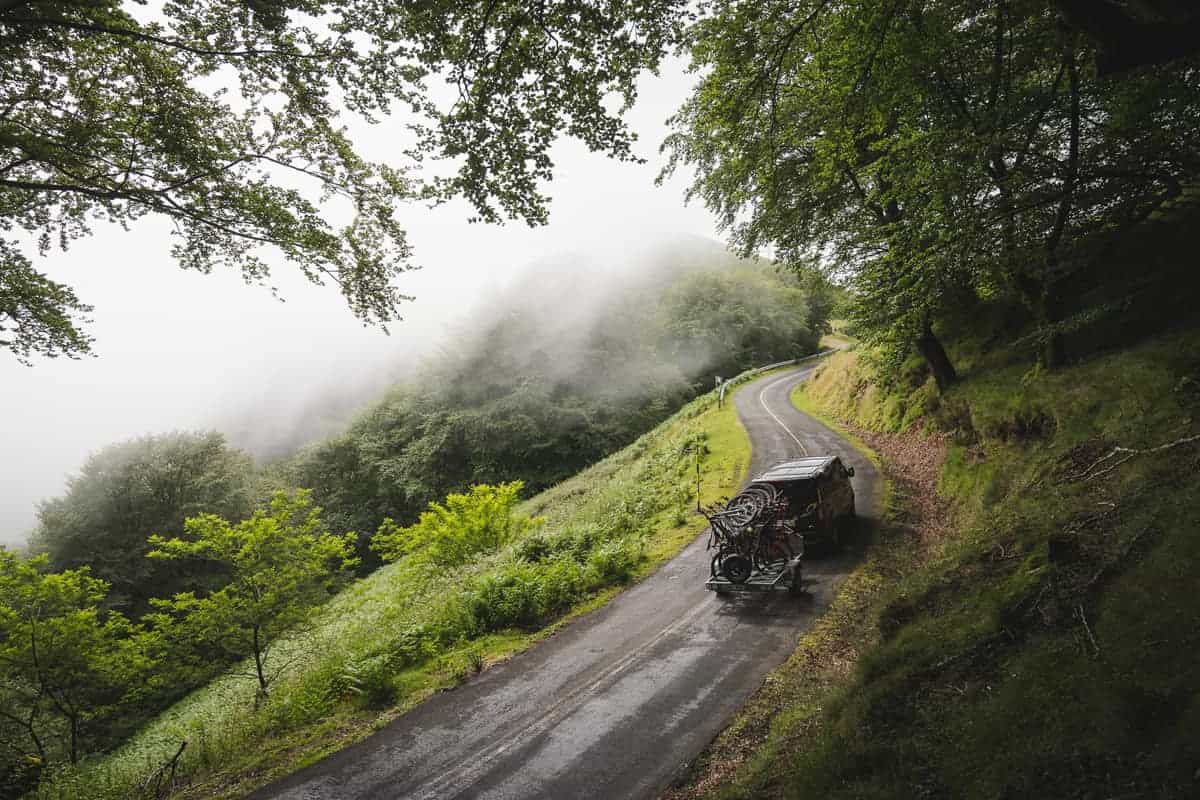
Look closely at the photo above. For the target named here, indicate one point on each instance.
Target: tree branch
(142, 36)
(1130, 453)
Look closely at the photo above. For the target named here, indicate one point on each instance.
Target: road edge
(698, 778)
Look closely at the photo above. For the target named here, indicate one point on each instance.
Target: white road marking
(763, 403)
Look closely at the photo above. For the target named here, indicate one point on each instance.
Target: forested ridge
(552, 374)
(1001, 195)
(142, 558)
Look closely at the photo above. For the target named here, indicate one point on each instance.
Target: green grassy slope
(1046, 644)
(400, 634)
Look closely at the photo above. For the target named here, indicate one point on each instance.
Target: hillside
(607, 526)
(1025, 625)
(555, 372)
(552, 375)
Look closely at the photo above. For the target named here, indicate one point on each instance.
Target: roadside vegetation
(1032, 636)
(1011, 196)
(188, 562)
(1009, 191)
(473, 581)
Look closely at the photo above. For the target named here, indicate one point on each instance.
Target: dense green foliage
(1042, 643)
(566, 369)
(68, 667)
(227, 118)
(945, 155)
(406, 630)
(37, 315)
(129, 491)
(76, 677)
(111, 112)
(281, 564)
(450, 533)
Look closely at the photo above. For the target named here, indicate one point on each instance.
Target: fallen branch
(1087, 629)
(160, 782)
(1131, 453)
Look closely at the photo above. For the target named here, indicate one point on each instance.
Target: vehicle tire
(736, 568)
(797, 584)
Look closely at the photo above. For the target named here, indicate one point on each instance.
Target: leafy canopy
(939, 153)
(66, 664)
(282, 563)
(228, 118)
(130, 490)
(449, 534)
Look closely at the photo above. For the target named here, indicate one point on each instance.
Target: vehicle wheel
(797, 584)
(736, 568)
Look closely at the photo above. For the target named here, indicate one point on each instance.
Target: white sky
(179, 350)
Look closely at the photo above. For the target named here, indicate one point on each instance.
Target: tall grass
(406, 630)
(1046, 647)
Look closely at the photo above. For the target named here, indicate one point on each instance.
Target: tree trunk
(936, 357)
(1049, 316)
(74, 740)
(261, 695)
(1051, 301)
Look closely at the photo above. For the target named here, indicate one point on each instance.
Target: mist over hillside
(572, 360)
(562, 303)
(291, 375)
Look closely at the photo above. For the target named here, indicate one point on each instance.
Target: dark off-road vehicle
(820, 497)
(760, 535)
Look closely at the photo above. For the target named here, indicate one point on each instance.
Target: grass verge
(399, 635)
(1044, 644)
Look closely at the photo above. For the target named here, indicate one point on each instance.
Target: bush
(508, 597)
(465, 525)
(612, 563)
(561, 583)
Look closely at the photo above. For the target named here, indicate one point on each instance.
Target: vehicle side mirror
(850, 471)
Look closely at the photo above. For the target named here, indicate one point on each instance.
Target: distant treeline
(556, 372)
(565, 370)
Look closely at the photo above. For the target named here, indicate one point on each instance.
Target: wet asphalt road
(618, 702)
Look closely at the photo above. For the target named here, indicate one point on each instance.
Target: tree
(281, 564)
(795, 131)
(37, 315)
(128, 491)
(938, 152)
(67, 665)
(1135, 34)
(449, 534)
(226, 118)
(724, 322)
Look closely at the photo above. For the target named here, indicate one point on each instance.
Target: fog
(179, 350)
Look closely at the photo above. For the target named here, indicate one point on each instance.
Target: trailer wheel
(736, 568)
(797, 584)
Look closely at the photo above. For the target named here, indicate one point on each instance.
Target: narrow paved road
(619, 701)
